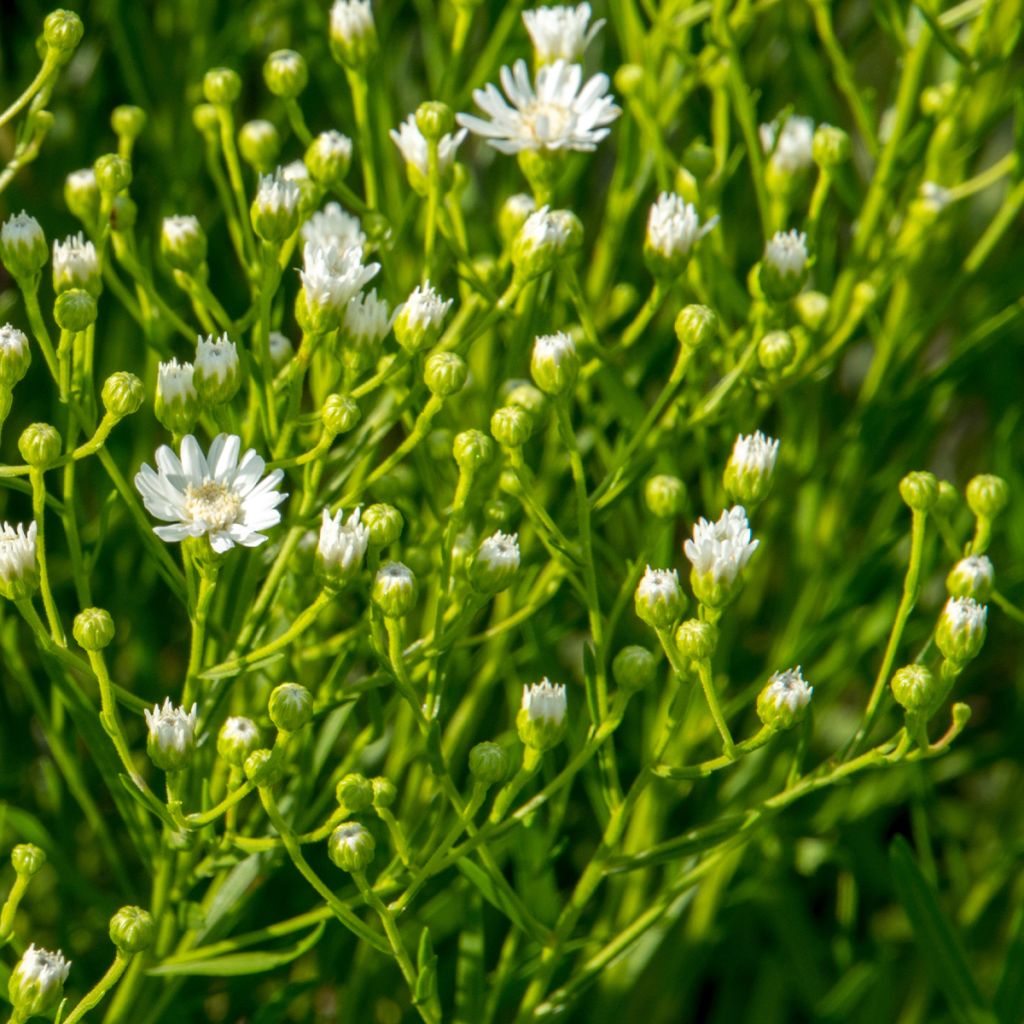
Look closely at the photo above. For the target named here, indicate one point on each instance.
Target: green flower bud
(665, 496)
(775, 351)
(40, 445)
(36, 985)
(784, 266)
(63, 31)
(812, 308)
(123, 213)
(82, 195)
(696, 326)
(541, 719)
(488, 763)
(281, 350)
(394, 589)
(831, 146)
(748, 474)
(354, 793)
(221, 86)
(259, 144)
(495, 563)
(971, 577)
(513, 215)
(75, 310)
(784, 701)
(204, 117)
(384, 792)
(960, 633)
(472, 450)
(434, 120)
(697, 639)
(27, 859)
(699, 159)
(554, 363)
(290, 707)
(93, 629)
(385, 524)
(132, 930)
(238, 738)
(546, 238)
(987, 495)
(526, 396)
(659, 600)
(328, 157)
(445, 374)
(339, 414)
(914, 688)
(123, 394)
(23, 248)
(113, 173)
(634, 668)
(920, 491)
(511, 426)
(15, 356)
(128, 121)
(183, 243)
(285, 73)
(351, 847)
(264, 768)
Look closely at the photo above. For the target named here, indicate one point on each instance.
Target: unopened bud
(132, 930)
(488, 763)
(511, 426)
(784, 701)
(339, 414)
(221, 86)
(920, 490)
(27, 859)
(472, 450)
(354, 792)
(123, 394)
(93, 629)
(394, 590)
(385, 524)
(696, 639)
(987, 495)
(260, 145)
(445, 374)
(971, 577)
(351, 847)
(665, 496)
(75, 310)
(238, 738)
(696, 326)
(659, 600)
(113, 173)
(40, 445)
(285, 73)
(290, 707)
(634, 668)
(914, 688)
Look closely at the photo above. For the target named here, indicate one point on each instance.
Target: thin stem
(49, 604)
(95, 995)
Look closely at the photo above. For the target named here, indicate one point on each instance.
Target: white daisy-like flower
(723, 548)
(413, 147)
(333, 226)
(545, 700)
(754, 453)
(560, 33)
(352, 20)
(342, 545)
(37, 981)
(278, 194)
(673, 226)
(216, 495)
(333, 276)
(216, 362)
(659, 585)
(559, 112)
(791, 148)
(418, 320)
(786, 252)
(789, 689)
(367, 319)
(18, 572)
(75, 263)
(174, 382)
(180, 229)
(963, 616)
(172, 733)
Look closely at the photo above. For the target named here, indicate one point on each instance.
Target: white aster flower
(723, 548)
(555, 114)
(18, 573)
(342, 545)
(37, 982)
(554, 363)
(786, 252)
(295, 172)
(171, 735)
(673, 227)
(545, 700)
(174, 380)
(560, 33)
(75, 264)
(748, 474)
(239, 729)
(789, 689)
(367, 319)
(790, 150)
(181, 228)
(659, 599)
(15, 355)
(333, 226)
(418, 320)
(352, 26)
(333, 276)
(216, 374)
(277, 192)
(217, 494)
(961, 630)
(495, 563)
(546, 229)
(23, 247)
(973, 576)
(413, 147)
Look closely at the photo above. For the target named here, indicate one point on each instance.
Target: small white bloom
(333, 276)
(20, 228)
(18, 574)
(659, 585)
(418, 320)
(413, 147)
(367, 319)
(281, 349)
(754, 453)
(673, 226)
(75, 264)
(789, 689)
(174, 382)
(15, 355)
(334, 148)
(495, 563)
(171, 735)
(554, 363)
(23, 247)
(216, 358)
(545, 701)
(352, 20)
(333, 226)
(560, 33)
(973, 576)
(238, 729)
(295, 172)
(37, 982)
(180, 229)
(659, 599)
(278, 194)
(84, 179)
(546, 229)
(560, 112)
(786, 252)
(217, 494)
(342, 545)
(723, 548)
(790, 150)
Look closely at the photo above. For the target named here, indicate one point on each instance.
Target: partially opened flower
(560, 33)
(217, 495)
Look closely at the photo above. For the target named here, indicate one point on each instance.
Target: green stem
(38, 506)
(95, 995)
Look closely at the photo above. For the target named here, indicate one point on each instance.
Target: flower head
(418, 320)
(177, 401)
(237, 739)
(789, 148)
(546, 236)
(554, 363)
(37, 982)
(719, 552)
(748, 474)
(366, 321)
(19, 575)
(171, 737)
(786, 251)
(23, 248)
(495, 563)
(351, 846)
(673, 229)
(275, 208)
(75, 265)
(413, 147)
(394, 589)
(659, 599)
(541, 720)
(973, 577)
(216, 495)
(353, 33)
(342, 546)
(332, 276)
(560, 33)
(960, 633)
(183, 242)
(15, 355)
(216, 377)
(783, 702)
(333, 226)
(554, 114)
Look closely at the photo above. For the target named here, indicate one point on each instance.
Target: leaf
(425, 990)
(938, 943)
(498, 897)
(239, 963)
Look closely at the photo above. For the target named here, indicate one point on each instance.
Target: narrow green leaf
(499, 899)
(240, 963)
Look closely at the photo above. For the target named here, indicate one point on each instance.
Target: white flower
(174, 381)
(560, 33)
(556, 114)
(23, 245)
(171, 735)
(216, 365)
(545, 701)
(495, 563)
(332, 276)
(546, 229)
(754, 453)
(18, 573)
(278, 194)
(239, 729)
(295, 172)
(418, 320)
(333, 226)
(84, 179)
(37, 982)
(74, 263)
(20, 228)
(673, 227)
(657, 585)
(181, 228)
(352, 19)
(786, 252)
(788, 689)
(367, 319)
(790, 150)
(973, 576)
(721, 549)
(342, 545)
(216, 495)
(15, 355)
(554, 363)
(413, 147)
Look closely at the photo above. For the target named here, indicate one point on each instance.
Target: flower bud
(418, 320)
(285, 73)
(281, 349)
(634, 668)
(495, 563)
(221, 86)
(541, 720)
(699, 159)
(19, 574)
(748, 474)
(40, 445)
(960, 633)
(831, 146)
(341, 547)
(216, 374)
(113, 173)
(488, 763)
(546, 238)
(171, 740)
(132, 930)
(554, 363)
(971, 577)
(434, 119)
(385, 524)
(513, 215)
(23, 248)
(445, 374)
(339, 414)
(204, 117)
(949, 498)
(123, 213)
(783, 702)
(914, 688)
(696, 326)
(665, 496)
(472, 450)
(352, 33)
(74, 310)
(775, 351)
(328, 157)
(82, 195)
(36, 985)
(123, 394)
(784, 266)
(63, 31)
(920, 490)
(987, 495)
(659, 599)
(673, 229)
(511, 426)
(75, 265)
(526, 396)
(93, 629)
(260, 145)
(351, 847)
(183, 243)
(394, 590)
(238, 738)
(15, 356)
(275, 210)
(27, 859)
(719, 552)
(812, 308)
(177, 402)
(290, 707)
(264, 768)
(384, 792)
(697, 639)
(354, 792)
(128, 121)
